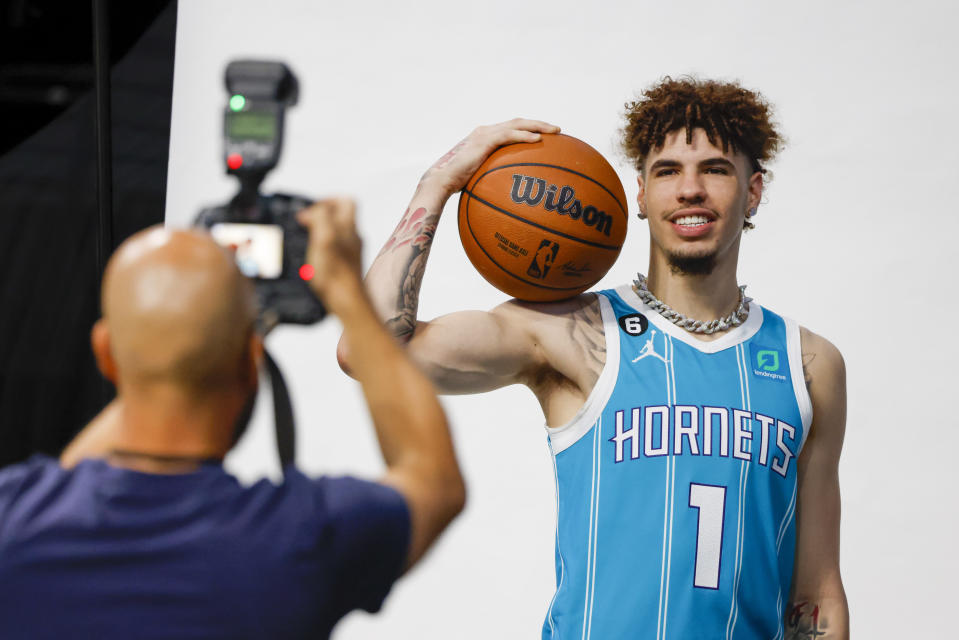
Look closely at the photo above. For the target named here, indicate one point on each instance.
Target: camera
(261, 229)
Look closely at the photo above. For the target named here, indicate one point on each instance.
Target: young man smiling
(696, 435)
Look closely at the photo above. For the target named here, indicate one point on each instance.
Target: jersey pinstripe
(676, 482)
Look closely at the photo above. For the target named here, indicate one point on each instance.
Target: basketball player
(696, 434)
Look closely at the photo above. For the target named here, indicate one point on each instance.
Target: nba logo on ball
(543, 221)
(544, 257)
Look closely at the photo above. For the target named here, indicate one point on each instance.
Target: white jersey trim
(794, 353)
(559, 551)
(565, 436)
(734, 336)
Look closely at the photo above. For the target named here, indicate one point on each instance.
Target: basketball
(543, 221)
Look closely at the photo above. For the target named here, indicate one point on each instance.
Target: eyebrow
(659, 164)
(665, 163)
(718, 162)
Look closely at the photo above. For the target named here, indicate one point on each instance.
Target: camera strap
(282, 414)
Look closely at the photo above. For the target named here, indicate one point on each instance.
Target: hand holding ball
(543, 221)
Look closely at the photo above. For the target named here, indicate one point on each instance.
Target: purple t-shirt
(106, 552)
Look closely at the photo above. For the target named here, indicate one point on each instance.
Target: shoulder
(821, 360)
(26, 474)
(555, 327)
(330, 508)
(525, 311)
(348, 497)
(544, 321)
(825, 374)
(27, 483)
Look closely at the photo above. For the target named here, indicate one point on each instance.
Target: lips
(692, 222)
(692, 216)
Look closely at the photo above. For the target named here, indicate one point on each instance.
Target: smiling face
(695, 197)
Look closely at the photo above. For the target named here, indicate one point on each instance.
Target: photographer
(139, 532)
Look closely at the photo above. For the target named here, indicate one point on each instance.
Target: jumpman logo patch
(649, 349)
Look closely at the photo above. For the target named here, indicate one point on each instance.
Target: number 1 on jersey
(710, 501)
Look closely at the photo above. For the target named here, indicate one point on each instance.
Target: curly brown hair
(734, 116)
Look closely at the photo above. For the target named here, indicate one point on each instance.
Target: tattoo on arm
(807, 359)
(804, 621)
(415, 234)
(586, 330)
(415, 227)
(445, 160)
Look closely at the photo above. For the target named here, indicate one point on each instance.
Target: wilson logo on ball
(535, 218)
(562, 200)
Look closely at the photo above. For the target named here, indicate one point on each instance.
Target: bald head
(177, 311)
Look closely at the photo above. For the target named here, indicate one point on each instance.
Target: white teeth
(690, 221)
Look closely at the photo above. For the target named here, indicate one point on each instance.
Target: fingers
(308, 215)
(335, 248)
(340, 212)
(517, 135)
(332, 226)
(515, 130)
(538, 126)
(450, 173)
(343, 212)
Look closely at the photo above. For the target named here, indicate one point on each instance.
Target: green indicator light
(237, 102)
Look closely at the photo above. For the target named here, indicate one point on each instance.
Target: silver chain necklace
(737, 317)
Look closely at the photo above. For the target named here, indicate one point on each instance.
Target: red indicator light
(234, 161)
(306, 272)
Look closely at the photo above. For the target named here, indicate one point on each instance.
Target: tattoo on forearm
(804, 621)
(415, 233)
(414, 228)
(586, 330)
(807, 359)
(403, 323)
(445, 160)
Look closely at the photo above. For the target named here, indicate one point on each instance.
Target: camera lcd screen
(258, 248)
(251, 125)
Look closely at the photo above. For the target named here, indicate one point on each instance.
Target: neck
(149, 463)
(700, 296)
(166, 424)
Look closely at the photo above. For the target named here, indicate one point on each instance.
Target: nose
(691, 188)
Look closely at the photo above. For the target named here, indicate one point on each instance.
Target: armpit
(585, 334)
(807, 359)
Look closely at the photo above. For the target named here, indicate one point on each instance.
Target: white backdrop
(856, 240)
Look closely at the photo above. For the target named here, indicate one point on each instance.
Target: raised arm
(410, 424)
(817, 606)
(463, 352)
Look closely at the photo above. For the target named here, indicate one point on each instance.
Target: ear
(755, 190)
(103, 350)
(255, 351)
(641, 194)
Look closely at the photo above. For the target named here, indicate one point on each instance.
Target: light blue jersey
(676, 482)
